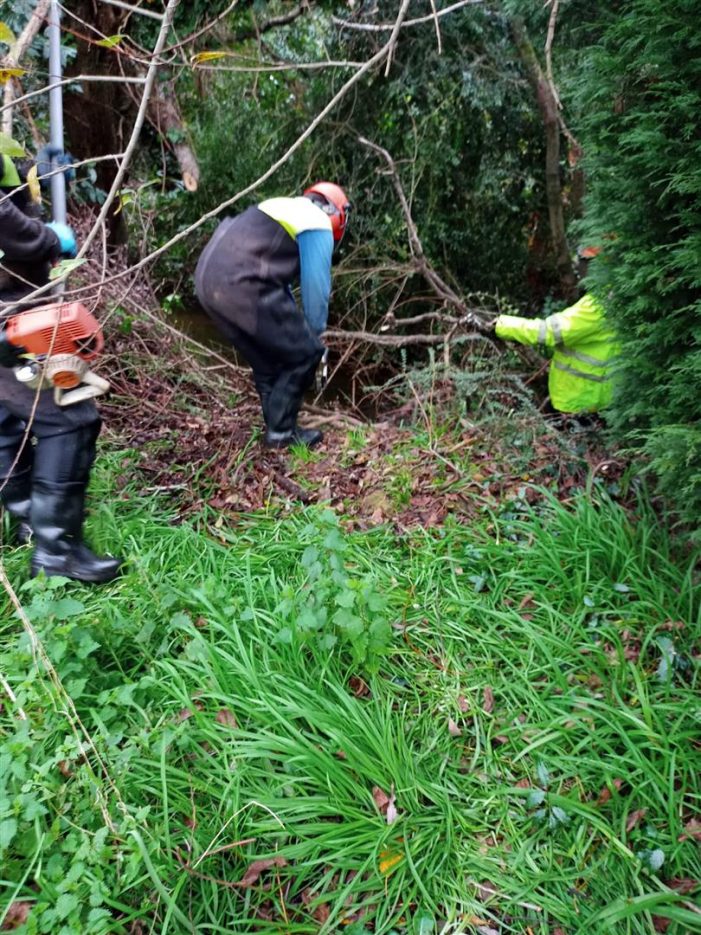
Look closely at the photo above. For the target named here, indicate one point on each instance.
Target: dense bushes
(643, 144)
(461, 125)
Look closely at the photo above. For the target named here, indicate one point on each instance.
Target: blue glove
(66, 238)
(43, 160)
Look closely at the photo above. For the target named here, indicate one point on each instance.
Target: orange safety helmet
(588, 253)
(337, 205)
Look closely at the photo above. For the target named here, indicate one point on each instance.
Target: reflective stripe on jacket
(584, 347)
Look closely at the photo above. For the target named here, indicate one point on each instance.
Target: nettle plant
(334, 607)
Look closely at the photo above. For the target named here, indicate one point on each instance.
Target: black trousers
(280, 379)
(243, 283)
(24, 416)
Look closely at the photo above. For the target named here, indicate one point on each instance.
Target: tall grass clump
(500, 729)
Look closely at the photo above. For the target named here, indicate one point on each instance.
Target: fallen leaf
(453, 728)
(358, 686)
(388, 860)
(692, 829)
(485, 891)
(683, 885)
(606, 793)
(635, 817)
(660, 923)
(381, 799)
(488, 703)
(523, 783)
(526, 601)
(226, 718)
(16, 915)
(322, 912)
(463, 704)
(258, 866)
(64, 768)
(185, 713)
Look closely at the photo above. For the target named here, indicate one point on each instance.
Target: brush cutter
(58, 341)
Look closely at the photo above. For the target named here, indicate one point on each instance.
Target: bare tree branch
(14, 57)
(420, 263)
(405, 340)
(392, 44)
(384, 27)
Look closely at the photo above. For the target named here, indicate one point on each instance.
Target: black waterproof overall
(243, 281)
(46, 451)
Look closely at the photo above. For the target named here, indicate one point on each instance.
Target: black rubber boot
(62, 466)
(15, 487)
(57, 522)
(15, 497)
(297, 436)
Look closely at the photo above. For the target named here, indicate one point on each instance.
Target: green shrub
(642, 98)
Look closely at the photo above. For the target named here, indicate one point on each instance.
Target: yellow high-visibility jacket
(584, 347)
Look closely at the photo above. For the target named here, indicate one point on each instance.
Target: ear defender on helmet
(335, 204)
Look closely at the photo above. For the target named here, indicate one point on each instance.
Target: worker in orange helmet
(244, 281)
(582, 344)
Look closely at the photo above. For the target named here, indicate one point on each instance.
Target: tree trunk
(553, 186)
(164, 114)
(96, 118)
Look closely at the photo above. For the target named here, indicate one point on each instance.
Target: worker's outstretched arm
(24, 239)
(567, 328)
(315, 252)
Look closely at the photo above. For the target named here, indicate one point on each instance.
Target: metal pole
(58, 181)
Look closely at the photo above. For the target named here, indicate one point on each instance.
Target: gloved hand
(43, 162)
(9, 354)
(66, 238)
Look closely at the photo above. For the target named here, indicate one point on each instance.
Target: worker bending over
(244, 281)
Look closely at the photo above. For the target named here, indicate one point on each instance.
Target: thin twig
(384, 27)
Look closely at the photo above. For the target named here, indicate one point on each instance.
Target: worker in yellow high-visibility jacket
(583, 346)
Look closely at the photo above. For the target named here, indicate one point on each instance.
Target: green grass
(537, 659)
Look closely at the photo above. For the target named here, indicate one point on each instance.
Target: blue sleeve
(315, 251)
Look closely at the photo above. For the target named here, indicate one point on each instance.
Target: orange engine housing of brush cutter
(68, 328)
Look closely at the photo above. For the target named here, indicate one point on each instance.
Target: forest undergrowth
(445, 682)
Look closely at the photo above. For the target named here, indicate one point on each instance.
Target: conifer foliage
(642, 134)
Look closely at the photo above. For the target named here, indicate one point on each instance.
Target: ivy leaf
(9, 146)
